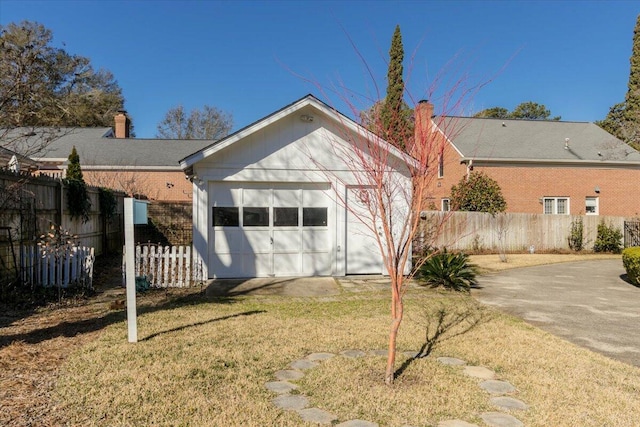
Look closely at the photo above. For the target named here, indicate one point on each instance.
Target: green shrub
(608, 239)
(576, 235)
(451, 270)
(631, 262)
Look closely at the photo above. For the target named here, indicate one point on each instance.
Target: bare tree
(206, 123)
(391, 208)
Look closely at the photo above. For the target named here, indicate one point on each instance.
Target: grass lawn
(203, 361)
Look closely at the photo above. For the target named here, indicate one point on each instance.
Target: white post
(130, 262)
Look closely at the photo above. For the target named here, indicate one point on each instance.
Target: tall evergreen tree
(632, 99)
(74, 171)
(623, 119)
(394, 113)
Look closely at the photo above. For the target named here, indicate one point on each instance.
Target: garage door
(261, 230)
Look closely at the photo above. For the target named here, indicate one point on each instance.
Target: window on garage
(285, 217)
(255, 217)
(314, 217)
(226, 217)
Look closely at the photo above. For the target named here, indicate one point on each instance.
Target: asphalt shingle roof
(535, 140)
(97, 147)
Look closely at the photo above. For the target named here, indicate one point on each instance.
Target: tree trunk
(396, 319)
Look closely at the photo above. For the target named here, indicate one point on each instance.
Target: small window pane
(255, 217)
(591, 206)
(314, 217)
(562, 206)
(548, 206)
(285, 217)
(445, 205)
(225, 217)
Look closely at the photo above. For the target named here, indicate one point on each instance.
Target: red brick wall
(524, 186)
(155, 185)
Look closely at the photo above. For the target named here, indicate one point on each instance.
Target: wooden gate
(631, 233)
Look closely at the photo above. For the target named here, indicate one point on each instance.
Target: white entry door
(363, 251)
(260, 230)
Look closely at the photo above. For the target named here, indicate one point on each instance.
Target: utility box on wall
(140, 212)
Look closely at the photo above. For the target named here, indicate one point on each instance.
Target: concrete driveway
(588, 303)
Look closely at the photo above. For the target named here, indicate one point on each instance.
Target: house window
(591, 206)
(314, 217)
(556, 205)
(445, 205)
(440, 165)
(226, 217)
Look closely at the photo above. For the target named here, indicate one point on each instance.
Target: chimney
(122, 124)
(423, 114)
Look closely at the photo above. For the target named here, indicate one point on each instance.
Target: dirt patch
(489, 263)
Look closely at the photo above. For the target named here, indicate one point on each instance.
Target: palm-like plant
(450, 270)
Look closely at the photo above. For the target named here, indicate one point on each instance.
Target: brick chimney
(122, 124)
(421, 126)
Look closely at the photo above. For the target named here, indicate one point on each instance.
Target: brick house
(547, 167)
(143, 167)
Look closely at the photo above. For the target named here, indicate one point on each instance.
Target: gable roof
(97, 147)
(308, 100)
(484, 139)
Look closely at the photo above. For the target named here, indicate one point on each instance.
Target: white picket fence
(74, 267)
(166, 266)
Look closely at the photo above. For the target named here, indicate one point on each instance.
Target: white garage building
(280, 198)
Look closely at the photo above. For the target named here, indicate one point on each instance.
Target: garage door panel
(229, 240)
(223, 195)
(256, 197)
(286, 197)
(315, 240)
(287, 264)
(257, 241)
(256, 265)
(287, 241)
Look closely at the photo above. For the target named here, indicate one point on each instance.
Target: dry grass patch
(205, 362)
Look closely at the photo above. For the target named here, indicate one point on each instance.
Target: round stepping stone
(479, 372)
(288, 374)
(314, 357)
(411, 354)
(379, 352)
(280, 387)
(456, 423)
(353, 353)
(497, 387)
(357, 423)
(508, 403)
(303, 364)
(294, 403)
(497, 419)
(317, 416)
(451, 361)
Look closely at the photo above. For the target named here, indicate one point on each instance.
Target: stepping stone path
(300, 404)
(497, 388)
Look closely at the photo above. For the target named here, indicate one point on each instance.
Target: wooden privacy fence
(166, 266)
(73, 267)
(512, 232)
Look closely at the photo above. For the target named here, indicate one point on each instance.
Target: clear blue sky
(247, 57)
